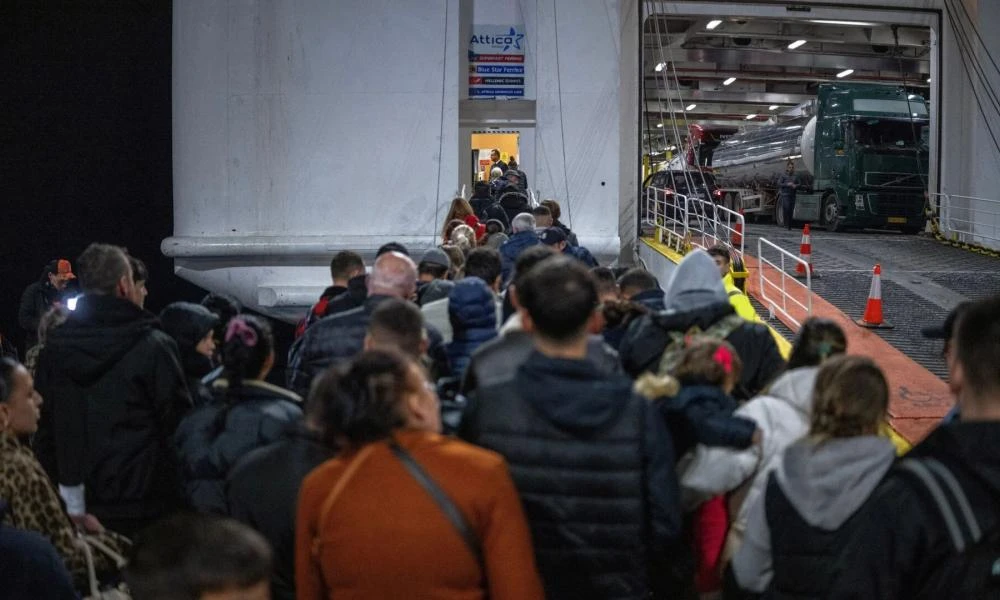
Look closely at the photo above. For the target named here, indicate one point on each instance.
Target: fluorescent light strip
(849, 23)
(796, 44)
(751, 117)
(690, 106)
(728, 81)
(713, 23)
(773, 107)
(844, 73)
(659, 67)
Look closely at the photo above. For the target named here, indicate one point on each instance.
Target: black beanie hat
(187, 323)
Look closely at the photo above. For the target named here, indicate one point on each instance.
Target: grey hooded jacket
(825, 484)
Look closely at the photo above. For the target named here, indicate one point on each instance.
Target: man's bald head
(394, 274)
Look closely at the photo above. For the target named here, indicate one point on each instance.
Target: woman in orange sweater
(368, 528)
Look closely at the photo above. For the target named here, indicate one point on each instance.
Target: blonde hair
(708, 361)
(460, 208)
(464, 237)
(850, 398)
(652, 387)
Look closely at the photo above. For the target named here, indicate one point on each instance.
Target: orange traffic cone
(805, 253)
(737, 238)
(873, 310)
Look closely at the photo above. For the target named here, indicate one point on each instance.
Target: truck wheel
(830, 212)
(779, 215)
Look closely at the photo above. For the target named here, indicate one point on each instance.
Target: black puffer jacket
(114, 394)
(499, 359)
(213, 438)
(339, 338)
(188, 324)
(594, 467)
(281, 467)
(357, 291)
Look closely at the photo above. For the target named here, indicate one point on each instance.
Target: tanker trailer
(860, 158)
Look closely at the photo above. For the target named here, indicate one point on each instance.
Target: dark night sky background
(85, 139)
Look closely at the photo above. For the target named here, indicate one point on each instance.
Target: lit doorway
(484, 142)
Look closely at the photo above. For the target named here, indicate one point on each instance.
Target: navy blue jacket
(703, 414)
(595, 469)
(518, 243)
(581, 254)
(30, 567)
(651, 299)
(213, 438)
(472, 309)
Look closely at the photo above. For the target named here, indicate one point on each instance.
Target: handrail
(784, 300)
(971, 219)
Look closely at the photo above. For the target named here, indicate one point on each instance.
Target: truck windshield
(888, 133)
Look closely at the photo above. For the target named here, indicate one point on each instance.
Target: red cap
(64, 268)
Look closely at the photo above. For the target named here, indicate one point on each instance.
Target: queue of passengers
(514, 424)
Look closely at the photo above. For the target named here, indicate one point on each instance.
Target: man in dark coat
(30, 566)
(787, 184)
(592, 460)
(344, 267)
(915, 537)
(115, 393)
(496, 162)
(696, 300)
(640, 286)
(556, 237)
(486, 206)
(40, 296)
(341, 337)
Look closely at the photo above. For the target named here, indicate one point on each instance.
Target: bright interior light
(773, 107)
(849, 23)
(928, 80)
(751, 117)
(728, 81)
(844, 73)
(796, 44)
(911, 97)
(713, 23)
(690, 107)
(659, 125)
(660, 66)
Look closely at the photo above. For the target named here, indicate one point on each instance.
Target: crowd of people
(507, 420)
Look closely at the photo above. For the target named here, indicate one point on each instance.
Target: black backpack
(976, 538)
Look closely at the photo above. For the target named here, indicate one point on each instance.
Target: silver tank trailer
(756, 158)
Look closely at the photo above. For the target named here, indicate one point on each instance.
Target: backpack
(719, 330)
(976, 538)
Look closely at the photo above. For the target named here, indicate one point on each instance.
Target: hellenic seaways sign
(496, 61)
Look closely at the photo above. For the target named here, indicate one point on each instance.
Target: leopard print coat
(34, 505)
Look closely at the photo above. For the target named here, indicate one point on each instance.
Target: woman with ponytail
(246, 413)
(782, 414)
(803, 521)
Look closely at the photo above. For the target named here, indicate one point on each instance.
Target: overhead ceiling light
(751, 117)
(660, 66)
(796, 44)
(659, 125)
(911, 97)
(690, 107)
(849, 23)
(728, 81)
(928, 80)
(844, 73)
(713, 23)
(773, 107)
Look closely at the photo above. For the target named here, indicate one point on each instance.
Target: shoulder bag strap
(336, 491)
(454, 515)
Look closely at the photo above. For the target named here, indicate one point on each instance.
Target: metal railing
(969, 219)
(668, 212)
(779, 289)
(712, 224)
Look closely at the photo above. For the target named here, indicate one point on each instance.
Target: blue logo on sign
(517, 37)
(512, 39)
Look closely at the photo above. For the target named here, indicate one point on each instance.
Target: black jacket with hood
(901, 547)
(114, 393)
(35, 301)
(594, 467)
(353, 297)
(695, 296)
(802, 523)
